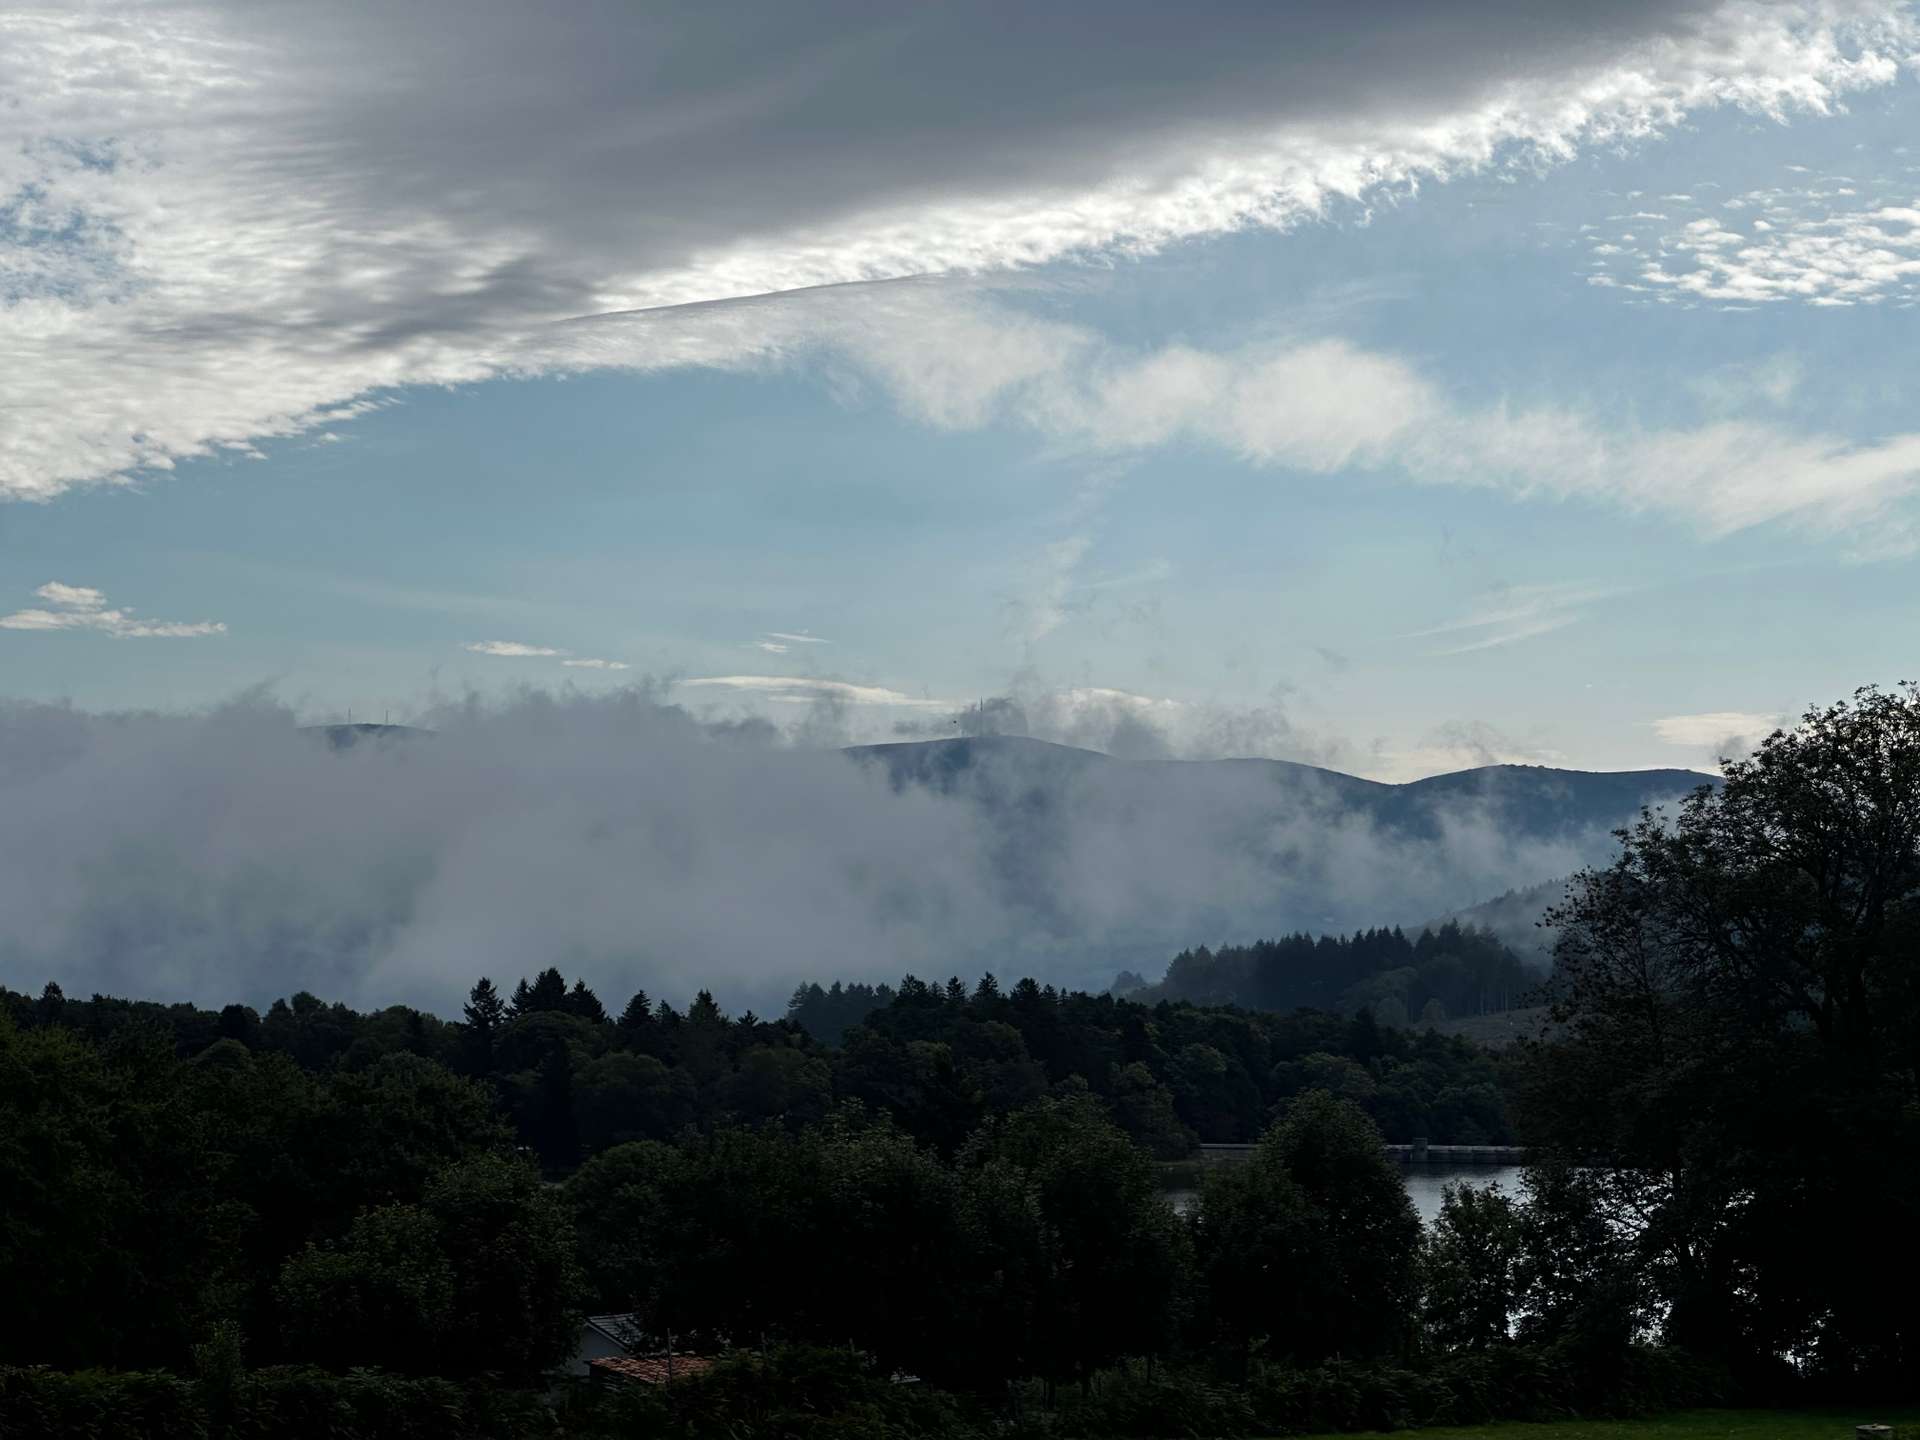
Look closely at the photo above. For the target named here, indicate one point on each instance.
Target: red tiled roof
(648, 1369)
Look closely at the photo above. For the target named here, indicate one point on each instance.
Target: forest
(951, 1222)
(571, 1078)
(1440, 974)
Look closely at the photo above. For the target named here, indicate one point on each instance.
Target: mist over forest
(233, 854)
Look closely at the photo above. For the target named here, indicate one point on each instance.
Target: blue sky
(1395, 434)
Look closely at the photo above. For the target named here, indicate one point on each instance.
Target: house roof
(620, 1329)
(649, 1369)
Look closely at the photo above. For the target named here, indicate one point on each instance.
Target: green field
(1699, 1425)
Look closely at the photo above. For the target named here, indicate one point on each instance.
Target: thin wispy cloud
(81, 607)
(798, 637)
(514, 650)
(1513, 614)
(794, 689)
(470, 181)
(1509, 634)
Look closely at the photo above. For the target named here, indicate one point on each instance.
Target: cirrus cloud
(224, 222)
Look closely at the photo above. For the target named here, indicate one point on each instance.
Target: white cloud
(794, 689)
(1323, 406)
(72, 597)
(779, 642)
(1459, 745)
(81, 607)
(1801, 247)
(1728, 729)
(1080, 697)
(229, 222)
(513, 650)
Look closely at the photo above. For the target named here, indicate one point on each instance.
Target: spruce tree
(486, 1016)
(583, 1002)
(485, 1012)
(549, 990)
(638, 1015)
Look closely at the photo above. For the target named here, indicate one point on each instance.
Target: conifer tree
(638, 1015)
(485, 1012)
(583, 1002)
(486, 1016)
(549, 990)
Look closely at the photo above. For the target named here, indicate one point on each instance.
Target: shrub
(283, 1403)
(795, 1393)
(98, 1405)
(1132, 1405)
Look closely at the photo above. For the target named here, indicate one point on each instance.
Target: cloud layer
(228, 855)
(1320, 407)
(220, 223)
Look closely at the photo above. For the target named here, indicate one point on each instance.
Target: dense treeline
(306, 1247)
(150, 1199)
(572, 1079)
(1170, 1074)
(1441, 974)
(827, 1013)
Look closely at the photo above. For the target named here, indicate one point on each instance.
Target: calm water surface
(1424, 1184)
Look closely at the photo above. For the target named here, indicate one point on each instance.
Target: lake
(1424, 1184)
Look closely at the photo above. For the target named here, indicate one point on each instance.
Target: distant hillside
(1515, 918)
(1227, 851)
(1533, 800)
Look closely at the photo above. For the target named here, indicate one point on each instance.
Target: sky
(1396, 387)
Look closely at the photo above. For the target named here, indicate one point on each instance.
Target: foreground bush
(93, 1405)
(288, 1403)
(799, 1393)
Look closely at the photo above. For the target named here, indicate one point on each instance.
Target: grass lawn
(1696, 1425)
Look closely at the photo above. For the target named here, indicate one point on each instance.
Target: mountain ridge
(1545, 798)
(961, 744)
